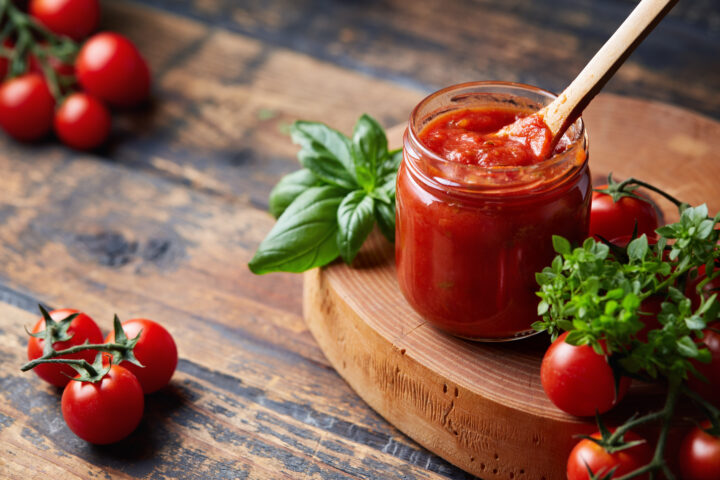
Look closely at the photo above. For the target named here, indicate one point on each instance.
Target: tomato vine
(595, 293)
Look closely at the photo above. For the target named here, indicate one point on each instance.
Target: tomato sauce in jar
(476, 212)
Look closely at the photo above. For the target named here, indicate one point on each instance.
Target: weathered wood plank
(430, 44)
(212, 422)
(251, 379)
(162, 222)
(223, 101)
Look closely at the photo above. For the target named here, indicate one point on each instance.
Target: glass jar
(470, 238)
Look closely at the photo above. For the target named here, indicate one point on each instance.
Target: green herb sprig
(595, 292)
(329, 207)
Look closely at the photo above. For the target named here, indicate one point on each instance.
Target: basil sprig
(329, 207)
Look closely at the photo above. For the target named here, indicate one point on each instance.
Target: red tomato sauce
(470, 136)
(466, 257)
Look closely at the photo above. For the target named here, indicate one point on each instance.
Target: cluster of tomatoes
(581, 382)
(52, 82)
(110, 408)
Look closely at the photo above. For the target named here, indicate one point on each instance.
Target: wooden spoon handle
(567, 107)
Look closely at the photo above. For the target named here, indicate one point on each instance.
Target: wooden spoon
(568, 106)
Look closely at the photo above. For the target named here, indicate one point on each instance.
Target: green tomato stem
(81, 363)
(51, 357)
(635, 181)
(657, 462)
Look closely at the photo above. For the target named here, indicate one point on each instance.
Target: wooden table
(162, 222)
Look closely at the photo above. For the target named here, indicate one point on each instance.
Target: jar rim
(554, 160)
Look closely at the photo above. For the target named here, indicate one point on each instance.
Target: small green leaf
(631, 302)
(557, 264)
(369, 149)
(539, 326)
(289, 188)
(326, 152)
(543, 308)
(355, 220)
(705, 229)
(638, 248)
(667, 231)
(687, 347)
(695, 323)
(561, 245)
(304, 236)
(575, 338)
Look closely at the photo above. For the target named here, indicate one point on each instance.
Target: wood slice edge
(479, 435)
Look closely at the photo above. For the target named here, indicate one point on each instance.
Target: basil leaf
(304, 236)
(391, 163)
(385, 216)
(385, 192)
(355, 219)
(289, 188)
(326, 152)
(369, 148)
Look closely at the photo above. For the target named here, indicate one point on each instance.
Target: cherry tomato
(589, 454)
(709, 390)
(82, 328)
(156, 350)
(578, 380)
(699, 456)
(617, 219)
(110, 67)
(26, 107)
(82, 122)
(73, 18)
(104, 412)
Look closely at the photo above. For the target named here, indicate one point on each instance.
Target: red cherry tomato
(111, 68)
(156, 350)
(104, 412)
(699, 456)
(617, 219)
(82, 122)
(578, 380)
(26, 107)
(589, 454)
(73, 18)
(82, 328)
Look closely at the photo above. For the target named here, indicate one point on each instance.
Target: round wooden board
(481, 406)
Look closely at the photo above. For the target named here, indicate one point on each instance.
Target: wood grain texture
(481, 406)
(162, 221)
(427, 45)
